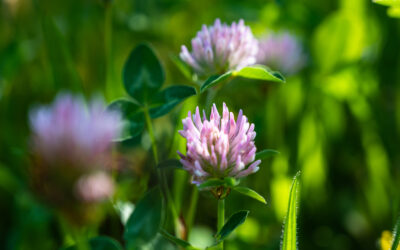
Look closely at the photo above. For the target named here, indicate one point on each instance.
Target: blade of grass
(289, 239)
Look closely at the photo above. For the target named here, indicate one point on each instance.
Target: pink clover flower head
(219, 48)
(218, 147)
(281, 51)
(69, 132)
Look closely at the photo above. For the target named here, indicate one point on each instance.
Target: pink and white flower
(219, 147)
(219, 48)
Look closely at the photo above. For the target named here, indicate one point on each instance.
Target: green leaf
(178, 242)
(214, 80)
(226, 182)
(396, 235)
(259, 72)
(100, 243)
(144, 223)
(266, 153)
(233, 222)
(168, 98)
(143, 74)
(133, 118)
(251, 193)
(170, 163)
(289, 239)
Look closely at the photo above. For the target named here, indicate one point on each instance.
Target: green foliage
(289, 238)
(168, 98)
(396, 235)
(170, 163)
(176, 241)
(266, 153)
(214, 80)
(250, 193)
(132, 115)
(183, 67)
(62, 70)
(259, 72)
(256, 72)
(212, 183)
(143, 77)
(100, 243)
(143, 74)
(144, 223)
(233, 222)
(387, 2)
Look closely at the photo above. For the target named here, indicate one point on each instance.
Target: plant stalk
(221, 219)
(160, 175)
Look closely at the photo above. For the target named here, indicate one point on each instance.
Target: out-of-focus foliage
(337, 120)
(394, 7)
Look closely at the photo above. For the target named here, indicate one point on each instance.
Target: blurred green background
(338, 120)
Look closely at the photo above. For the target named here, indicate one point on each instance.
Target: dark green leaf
(233, 222)
(289, 239)
(251, 193)
(126, 107)
(143, 74)
(100, 243)
(168, 98)
(133, 118)
(266, 153)
(396, 235)
(214, 80)
(144, 222)
(170, 163)
(173, 239)
(226, 182)
(259, 72)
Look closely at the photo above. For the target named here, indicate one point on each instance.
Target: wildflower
(281, 51)
(71, 146)
(219, 48)
(219, 147)
(69, 133)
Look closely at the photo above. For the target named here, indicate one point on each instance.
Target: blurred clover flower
(71, 145)
(70, 133)
(219, 147)
(219, 48)
(281, 51)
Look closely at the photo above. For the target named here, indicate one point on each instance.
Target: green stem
(161, 177)
(151, 134)
(192, 209)
(221, 219)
